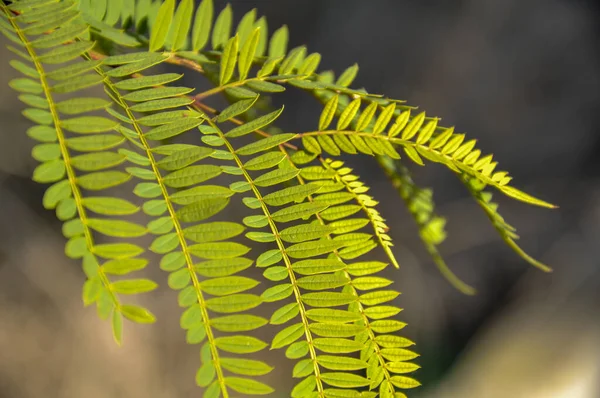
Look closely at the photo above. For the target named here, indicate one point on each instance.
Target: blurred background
(522, 76)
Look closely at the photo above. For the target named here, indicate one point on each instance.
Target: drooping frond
(52, 68)
(419, 203)
(506, 231)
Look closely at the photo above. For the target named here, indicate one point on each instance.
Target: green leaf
(60, 36)
(222, 267)
(50, 171)
(303, 368)
(191, 175)
(265, 86)
(246, 367)
(235, 109)
(348, 76)
(117, 327)
(344, 380)
(202, 24)
(116, 228)
(222, 28)
(328, 299)
(269, 257)
(404, 382)
(218, 250)
(97, 161)
(102, 180)
(117, 250)
(348, 114)
(278, 44)
(156, 93)
(247, 386)
(328, 113)
(233, 303)
(327, 315)
(202, 209)
(287, 336)
(138, 83)
(227, 285)
(96, 142)
(276, 177)
(247, 53)
(200, 193)
(181, 158)
(124, 266)
(179, 279)
(366, 116)
(161, 25)
(255, 124)
(304, 388)
(322, 282)
(172, 129)
(75, 106)
(340, 363)
(277, 293)
(137, 314)
(305, 232)
(133, 286)
(88, 124)
(285, 314)
(312, 267)
(298, 211)
(237, 323)
(205, 374)
(240, 344)
(181, 23)
(228, 61)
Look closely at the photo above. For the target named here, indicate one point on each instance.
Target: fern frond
(420, 205)
(69, 175)
(506, 231)
(223, 259)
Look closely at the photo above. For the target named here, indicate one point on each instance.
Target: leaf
(328, 299)
(75, 106)
(117, 327)
(133, 286)
(247, 53)
(228, 61)
(287, 336)
(276, 177)
(327, 315)
(255, 124)
(235, 109)
(50, 171)
(88, 124)
(97, 161)
(137, 314)
(222, 267)
(156, 93)
(227, 285)
(117, 250)
(233, 303)
(305, 232)
(347, 77)
(290, 194)
(312, 248)
(202, 24)
(265, 161)
(161, 25)
(304, 388)
(191, 175)
(285, 313)
(222, 28)
(322, 282)
(184, 157)
(181, 23)
(328, 113)
(218, 250)
(340, 363)
(240, 344)
(278, 44)
(318, 266)
(237, 323)
(247, 386)
(278, 292)
(344, 380)
(102, 180)
(138, 83)
(124, 266)
(246, 367)
(215, 231)
(298, 211)
(200, 193)
(116, 228)
(265, 86)
(523, 197)
(348, 114)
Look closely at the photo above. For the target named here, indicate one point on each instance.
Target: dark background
(521, 76)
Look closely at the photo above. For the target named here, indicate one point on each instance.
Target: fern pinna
(147, 134)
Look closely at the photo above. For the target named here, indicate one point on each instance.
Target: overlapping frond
(49, 51)
(180, 204)
(336, 318)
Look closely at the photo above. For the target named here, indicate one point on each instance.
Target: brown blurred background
(522, 76)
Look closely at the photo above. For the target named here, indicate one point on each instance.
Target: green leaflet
(228, 60)
(236, 109)
(222, 27)
(240, 344)
(246, 367)
(265, 143)
(238, 323)
(298, 211)
(290, 194)
(212, 232)
(202, 24)
(248, 386)
(161, 26)
(287, 336)
(255, 124)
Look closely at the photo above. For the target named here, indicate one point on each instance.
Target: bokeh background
(522, 76)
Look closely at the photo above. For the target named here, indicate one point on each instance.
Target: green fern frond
(506, 231)
(64, 126)
(335, 315)
(420, 205)
(222, 259)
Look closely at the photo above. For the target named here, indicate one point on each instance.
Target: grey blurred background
(522, 76)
